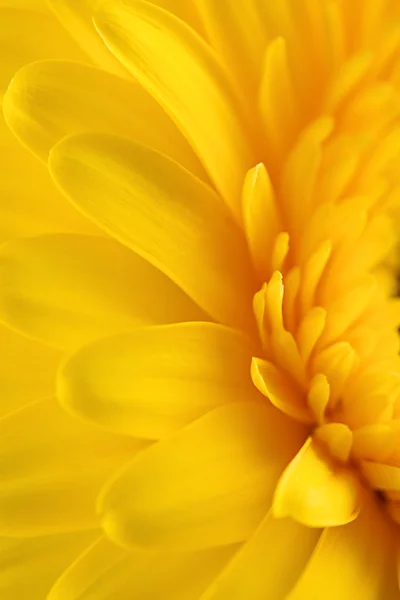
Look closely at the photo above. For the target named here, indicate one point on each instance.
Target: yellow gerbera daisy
(199, 375)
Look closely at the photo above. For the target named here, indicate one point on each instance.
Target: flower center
(329, 342)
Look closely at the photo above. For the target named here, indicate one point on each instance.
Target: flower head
(198, 276)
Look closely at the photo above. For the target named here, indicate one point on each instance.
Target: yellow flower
(199, 375)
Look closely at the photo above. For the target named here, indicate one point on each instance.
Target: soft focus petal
(48, 100)
(268, 565)
(28, 567)
(67, 290)
(354, 561)
(34, 205)
(316, 492)
(27, 370)
(27, 36)
(108, 572)
(208, 485)
(52, 469)
(237, 31)
(184, 76)
(76, 18)
(165, 214)
(153, 381)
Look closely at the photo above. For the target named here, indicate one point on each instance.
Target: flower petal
(237, 32)
(153, 381)
(67, 290)
(142, 199)
(269, 563)
(316, 492)
(51, 99)
(208, 485)
(30, 566)
(34, 205)
(183, 75)
(27, 36)
(76, 18)
(354, 561)
(107, 571)
(52, 469)
(27, 370)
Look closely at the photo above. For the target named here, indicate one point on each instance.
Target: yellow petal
(208, 485)
(354, 561)
(154, 381)
(260, 218)
(316, 492)
(310, 330)
(318, 396)
(237, 32)
(76, 18)
(280, 389)
(27, 36)
(381, 476)
(184, 76)
(51, 99)
(277, 99)
(34, 205)
(269, 563)
(374, 442)
(67, 290)
(336, 362)
(337, 439)
(52, 470)
(108, 571)
(300, 172)
(27, 370)
(141, 197)
(348, 308)
(30, 566)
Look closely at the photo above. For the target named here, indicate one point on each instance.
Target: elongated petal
(269, 563)
(51, 99)
(183, 75)
(316, 492)
(27, 36)
(238, 33)
(354, 561)
(52, 469)
(34, 205)
(27, 370)
(67, 290)
(29, 566)
(76, 18)
(108, 571)
(164, 214)
(154, 381)
(208, 485)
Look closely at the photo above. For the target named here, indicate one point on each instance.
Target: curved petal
(208, 485)
(153, 381)
(316, 492)
(51, 99)
(34, 205)
(52, 469)
(68, 290)
(30, 566)
(27, 36)
(354, 561)
(107, 571)
(238, 33)
(183, 75)
(27, 370)
(164, 214)
(269, 563)
(76, 18)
